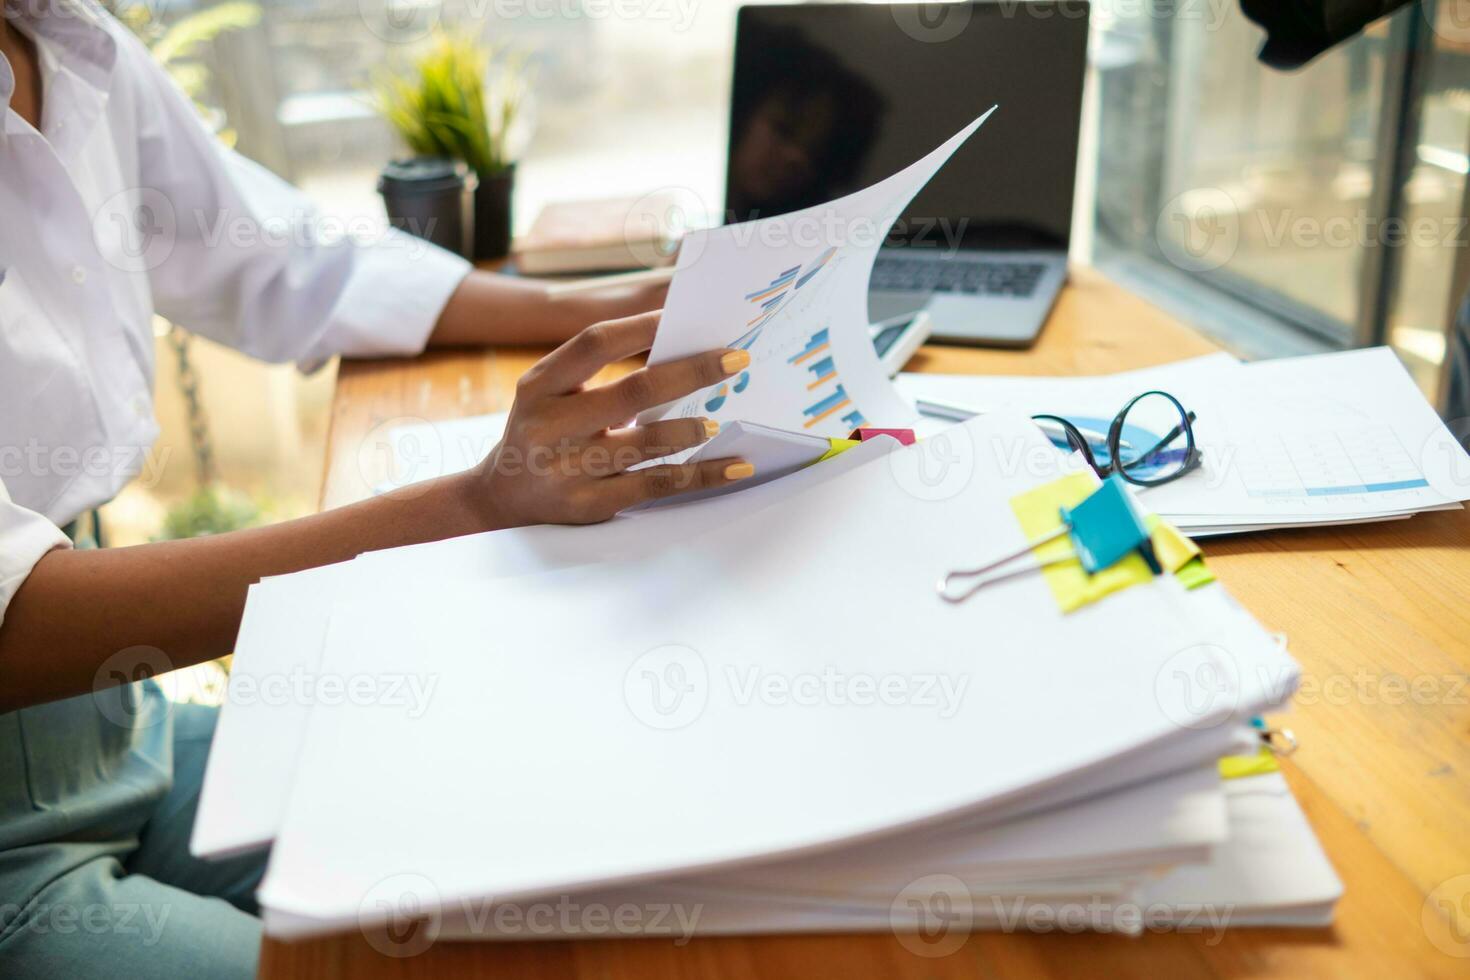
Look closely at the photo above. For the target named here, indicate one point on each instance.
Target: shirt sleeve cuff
(25, 538)
(398, 287)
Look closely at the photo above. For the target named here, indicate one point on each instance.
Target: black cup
(432, 198)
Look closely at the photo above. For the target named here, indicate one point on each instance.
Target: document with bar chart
(1336, 436)
(793, 291)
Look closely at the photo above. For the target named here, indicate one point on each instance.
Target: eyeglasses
(1150, 442)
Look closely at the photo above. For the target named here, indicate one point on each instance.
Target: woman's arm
(564, 459)
(504, 310)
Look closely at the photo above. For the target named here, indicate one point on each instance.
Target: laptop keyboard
(981, 277)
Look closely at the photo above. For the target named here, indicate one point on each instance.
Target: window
(626, 95)
(1295, 210)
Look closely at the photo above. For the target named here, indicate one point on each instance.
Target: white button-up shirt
(122, 205)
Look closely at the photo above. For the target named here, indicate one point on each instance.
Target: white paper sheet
(1270, 871)
(793, 290)
(1322, 439)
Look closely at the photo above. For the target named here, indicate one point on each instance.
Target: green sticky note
(1194, 573)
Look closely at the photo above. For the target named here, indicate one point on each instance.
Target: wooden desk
(1371, 611)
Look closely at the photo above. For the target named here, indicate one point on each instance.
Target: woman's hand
(568, 449)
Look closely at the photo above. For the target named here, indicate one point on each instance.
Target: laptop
(830, 98)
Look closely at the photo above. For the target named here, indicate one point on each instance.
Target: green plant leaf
(442, 108)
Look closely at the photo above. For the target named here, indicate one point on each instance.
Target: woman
(115, 202)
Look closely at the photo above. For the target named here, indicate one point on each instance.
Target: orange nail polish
(739, 471)
(735, 360)
(711, 428)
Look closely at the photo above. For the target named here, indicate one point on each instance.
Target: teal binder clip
(1105, 528)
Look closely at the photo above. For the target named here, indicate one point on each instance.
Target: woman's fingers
(629, 447)
(669, 480)
(575, 362)
(614, 404)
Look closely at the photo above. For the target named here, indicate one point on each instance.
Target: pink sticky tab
(905, 436)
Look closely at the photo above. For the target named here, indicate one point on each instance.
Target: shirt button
(79, 275)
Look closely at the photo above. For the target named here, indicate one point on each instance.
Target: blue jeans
(96, 879)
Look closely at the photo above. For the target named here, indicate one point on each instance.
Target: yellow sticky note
(837, 447)
(1238, 766)
(1171, 547)
(1178, 554)
(1038, 512)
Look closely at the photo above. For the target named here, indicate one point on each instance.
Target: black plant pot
(432, 198)
(493, 214)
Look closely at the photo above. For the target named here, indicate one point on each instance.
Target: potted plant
(446, 106)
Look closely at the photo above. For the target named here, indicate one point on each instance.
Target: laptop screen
(830, 98)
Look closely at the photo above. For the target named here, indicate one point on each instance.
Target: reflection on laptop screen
(830, 98)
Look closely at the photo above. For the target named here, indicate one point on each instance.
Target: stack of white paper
(753, 712)
(770, 716)
(1326, 439)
